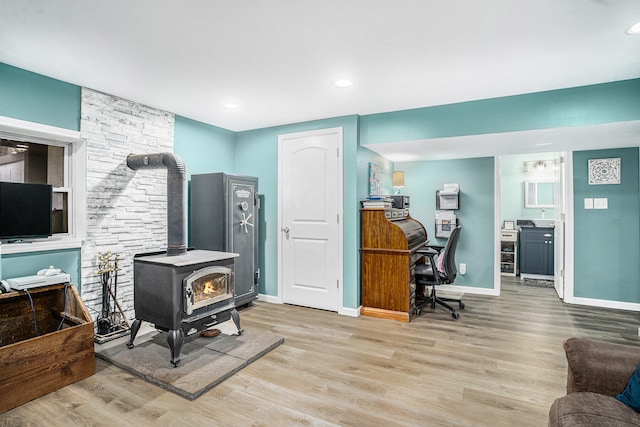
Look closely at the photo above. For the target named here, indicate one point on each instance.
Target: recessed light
(634, 30)
(230, 105)
(343, 83)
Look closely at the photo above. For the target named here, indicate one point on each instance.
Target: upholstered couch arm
(599, 367)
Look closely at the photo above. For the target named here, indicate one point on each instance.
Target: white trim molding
(269, 298)
(35, 132)
(348, 311)
(469, 290)
(603, 303)
(21, 130)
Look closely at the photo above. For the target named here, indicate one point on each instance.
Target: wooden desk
(388, 264)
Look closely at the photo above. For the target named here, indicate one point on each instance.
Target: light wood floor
(500, 364)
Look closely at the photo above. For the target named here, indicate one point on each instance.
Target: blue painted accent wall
(33, 97)
(476, 213)
(257, 155)
(17, 265)
(204, 148)
(606, 244)
(366, 156)
(603, 103)
(39, 99)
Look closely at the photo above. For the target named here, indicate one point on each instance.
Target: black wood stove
(181, 292)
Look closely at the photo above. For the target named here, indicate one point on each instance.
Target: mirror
(538, 194)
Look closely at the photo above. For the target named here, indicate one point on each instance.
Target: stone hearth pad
(204, 362)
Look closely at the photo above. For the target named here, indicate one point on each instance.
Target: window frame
(75, 180)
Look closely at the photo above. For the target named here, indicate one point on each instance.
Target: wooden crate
(61, 353)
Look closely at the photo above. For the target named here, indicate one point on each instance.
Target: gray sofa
(597, 372)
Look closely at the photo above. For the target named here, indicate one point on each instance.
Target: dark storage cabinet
(536, 251)
(224, 217)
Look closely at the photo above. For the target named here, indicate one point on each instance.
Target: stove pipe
(176, 191)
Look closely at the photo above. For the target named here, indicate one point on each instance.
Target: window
(35, 163)
(40, 154)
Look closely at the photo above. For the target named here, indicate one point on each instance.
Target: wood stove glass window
(210, 286)
(207, 286)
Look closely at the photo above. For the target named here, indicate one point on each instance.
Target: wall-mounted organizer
(447, 200)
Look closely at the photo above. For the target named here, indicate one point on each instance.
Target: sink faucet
(543, 212)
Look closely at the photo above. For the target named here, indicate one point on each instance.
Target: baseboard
(345, 311)
(269, 298)
(469, 290)
(351, 312)
(602, 303)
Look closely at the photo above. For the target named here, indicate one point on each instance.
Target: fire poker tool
(112, 322)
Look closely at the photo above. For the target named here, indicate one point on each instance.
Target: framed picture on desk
(509, 225)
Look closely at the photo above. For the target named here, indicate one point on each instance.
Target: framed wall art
(604, 171)
(375, 180)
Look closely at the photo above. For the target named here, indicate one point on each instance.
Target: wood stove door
(243, 209)
(207, 286)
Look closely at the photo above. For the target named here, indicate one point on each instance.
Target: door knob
(286, 231)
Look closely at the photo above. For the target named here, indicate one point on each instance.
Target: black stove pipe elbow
(176, 195)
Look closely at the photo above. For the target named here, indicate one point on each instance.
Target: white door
(310, 211)
(560, 214)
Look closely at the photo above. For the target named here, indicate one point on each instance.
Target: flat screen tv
(25, 210)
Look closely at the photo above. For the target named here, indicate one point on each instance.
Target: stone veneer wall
(126, 210)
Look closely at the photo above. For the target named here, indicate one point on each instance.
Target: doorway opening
(532, 218)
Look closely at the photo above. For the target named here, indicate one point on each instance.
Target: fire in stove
(207, 286)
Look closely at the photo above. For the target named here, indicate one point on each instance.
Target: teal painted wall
(29, 96)
(204, 148)
(36, 98)
(17, 265)
(476, 213)
(603, 103)
(39, 99)
(366, 156)
(257, 155)
(606, 244)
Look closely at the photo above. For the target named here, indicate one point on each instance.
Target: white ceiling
(278, 58)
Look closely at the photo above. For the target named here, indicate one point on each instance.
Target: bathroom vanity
(536, 252)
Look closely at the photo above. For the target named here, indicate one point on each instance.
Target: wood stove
(181, 292)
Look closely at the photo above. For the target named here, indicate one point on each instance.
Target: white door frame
(568, 231)
(569, 228)
(340, 194)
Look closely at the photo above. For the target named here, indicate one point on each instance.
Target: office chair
(427, 274)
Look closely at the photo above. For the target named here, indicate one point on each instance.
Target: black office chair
(427, 274)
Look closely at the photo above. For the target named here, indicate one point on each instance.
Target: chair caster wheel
(461, 305)
(417, 311)
(455, 315)
(129, 346)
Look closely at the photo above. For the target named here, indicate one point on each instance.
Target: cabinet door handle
(547, 235)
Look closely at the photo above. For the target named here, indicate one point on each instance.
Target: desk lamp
(398, 181)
